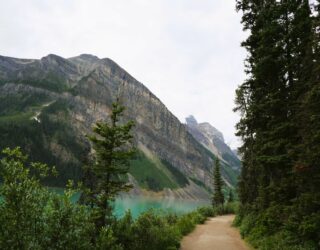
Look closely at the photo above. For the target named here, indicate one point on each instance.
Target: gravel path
(216, 234)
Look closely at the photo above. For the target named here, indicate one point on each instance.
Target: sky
(187, 52)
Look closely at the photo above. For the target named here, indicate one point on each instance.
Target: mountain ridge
(80, 91)
(213, 140)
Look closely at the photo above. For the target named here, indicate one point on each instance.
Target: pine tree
(307, 165)
(218, 198)
(230, 196)
(279, 108)
(105, 177)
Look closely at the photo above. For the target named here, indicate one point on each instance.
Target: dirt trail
(216, 234)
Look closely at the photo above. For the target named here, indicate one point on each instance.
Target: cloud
(187, 52)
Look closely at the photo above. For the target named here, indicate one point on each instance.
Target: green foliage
(50, 81)
(149, 175)
(156, 175)
(68, 225)
(279, 186)
(20, 103)
(230, 196)
(52, 141)
(180, 178)
(153, 230)
(186, 223)
(149, 231)
(227, 171)
(107, 240)
(255, 228)
(113, 150)
(31, 217)
(218, 197)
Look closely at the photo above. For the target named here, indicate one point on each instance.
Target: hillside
(48, 106)
(213, 140)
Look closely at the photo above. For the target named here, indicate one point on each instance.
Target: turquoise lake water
(137, 205)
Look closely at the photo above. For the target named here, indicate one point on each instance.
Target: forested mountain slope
(48, 106)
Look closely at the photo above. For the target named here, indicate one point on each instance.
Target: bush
(227, 208)
(207, 211)
(262, 231)
(151, 231)
(123, 229)
(33, 218)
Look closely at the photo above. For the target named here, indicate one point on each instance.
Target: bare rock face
(213, 140)
(54, 102)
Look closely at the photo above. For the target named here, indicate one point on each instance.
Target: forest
(279, 103)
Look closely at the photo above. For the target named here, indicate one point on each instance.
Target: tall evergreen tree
(230, 196)
(105, 178)
(307, 165)
(218, 198)
(279, 108)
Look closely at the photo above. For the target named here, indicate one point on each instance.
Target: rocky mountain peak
(211, 131)
(213, 140)
(89, 57)
(191, 121)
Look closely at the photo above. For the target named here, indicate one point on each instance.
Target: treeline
(279, 103)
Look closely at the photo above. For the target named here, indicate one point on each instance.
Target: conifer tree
(218, 198)
(230, 196)
(105, 177)
(279, 108)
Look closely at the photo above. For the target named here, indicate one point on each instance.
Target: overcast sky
(187, 52)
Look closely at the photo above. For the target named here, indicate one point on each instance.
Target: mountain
(213, 140)
(48, 106)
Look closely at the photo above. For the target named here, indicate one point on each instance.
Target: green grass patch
(15, 118)
(180, 178)
(149, 175)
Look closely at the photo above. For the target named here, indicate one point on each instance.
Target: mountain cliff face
(48, 106)
(213, 140)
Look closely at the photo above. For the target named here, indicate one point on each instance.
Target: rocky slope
(48, 106)
(213, 140)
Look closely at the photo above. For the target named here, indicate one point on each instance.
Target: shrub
(262, 232)
(33, 218)
(207, 211)
(123, 229)
(152, 231)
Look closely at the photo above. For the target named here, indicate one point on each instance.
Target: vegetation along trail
(216, 234)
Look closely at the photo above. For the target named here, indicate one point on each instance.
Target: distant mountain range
(213, 140)
(48, 106)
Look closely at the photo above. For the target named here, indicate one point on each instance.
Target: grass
(15, 118)
(149, 175)
(180, 178)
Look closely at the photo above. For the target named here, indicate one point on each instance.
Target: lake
(140, 204)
